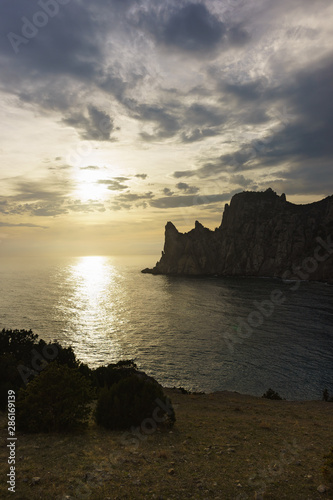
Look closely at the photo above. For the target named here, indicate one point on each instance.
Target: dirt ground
(223, 446)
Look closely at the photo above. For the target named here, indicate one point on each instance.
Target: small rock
(171, 472)
(35, 480)
(322, 488)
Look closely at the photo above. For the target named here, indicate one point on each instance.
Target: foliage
(57, 400)
(18, 343)
(328, 467)
(270, 394)
(106, 376)
(9, 378)
(23, 356)
(131, 400)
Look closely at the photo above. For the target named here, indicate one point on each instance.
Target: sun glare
(87, 186)
(92, 276)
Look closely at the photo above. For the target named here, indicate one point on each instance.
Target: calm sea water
(174, 327)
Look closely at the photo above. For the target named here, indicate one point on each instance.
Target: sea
(202, 334)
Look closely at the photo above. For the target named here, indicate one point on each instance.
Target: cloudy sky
(118, 115)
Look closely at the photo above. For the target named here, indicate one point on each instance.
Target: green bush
(106, 376)
(18, 343)
(54, 401)
(131, 400)
(270, 394)
(9, 378)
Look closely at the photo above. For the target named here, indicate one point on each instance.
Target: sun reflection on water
(92, 275)
(94, 283)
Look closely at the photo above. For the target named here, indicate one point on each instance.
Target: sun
(87, 185)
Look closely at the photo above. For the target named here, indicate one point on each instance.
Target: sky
(119, 115)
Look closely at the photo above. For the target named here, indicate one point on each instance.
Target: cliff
(261, 234)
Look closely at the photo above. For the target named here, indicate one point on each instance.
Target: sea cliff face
(261, 234)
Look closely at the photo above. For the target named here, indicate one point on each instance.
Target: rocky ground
(223, 446)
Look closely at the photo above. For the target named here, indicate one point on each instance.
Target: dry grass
(223, 446)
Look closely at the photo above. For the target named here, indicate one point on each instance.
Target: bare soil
(223, 446)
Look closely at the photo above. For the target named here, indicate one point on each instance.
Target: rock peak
(170, 227)
(261, 235)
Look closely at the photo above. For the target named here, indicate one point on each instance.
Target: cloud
(126, 201)
(130, 197)
(9, 224)
(44, 198)
(193, 29)
(197, 134)
(210, 79)
(90, 206)
(166, 122)
(189, 201)
(184, 173)
(115, 184)
(168, 192)
(182, 186)
(97, 125)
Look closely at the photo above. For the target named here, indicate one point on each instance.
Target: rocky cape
(261, 234)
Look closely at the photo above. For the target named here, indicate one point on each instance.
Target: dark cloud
(182, 186)
(184, 173)
(126, 201)
(238, 35)
(176, 69)
(197, 134)
(193, 28)
(116, 184)
(166, 123)
(96, 125)
(189, 201)
(167, 192)
(90, 167)
(204, 115)
(130, 197)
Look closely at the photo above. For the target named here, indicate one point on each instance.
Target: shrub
(56, 400)
(131, 400)
(9, 378)
(328, 467)
(18, 343)
(270, 394)
(106, 376)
